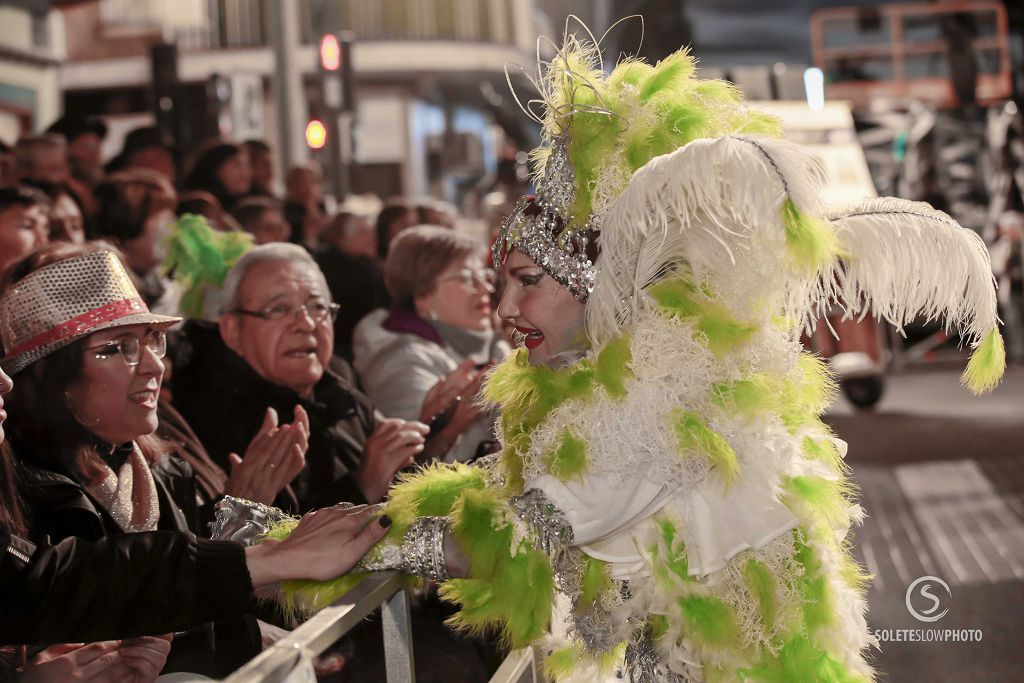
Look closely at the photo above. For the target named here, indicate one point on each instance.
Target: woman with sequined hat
(86, 352)
(668, 505)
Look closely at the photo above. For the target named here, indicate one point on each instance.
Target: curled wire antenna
(545, 109)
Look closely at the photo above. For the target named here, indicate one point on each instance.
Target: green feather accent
(659, 625)
(668, 74)
(799, 661)
(818, 608)
(987, 364)
(757, 393)
(812, 244)
(508, 592)
(710, 622)
(823, 450)
(199, 257)
(817, 499)
(629, 72)
(761, 585)
(716, 328)
(298, 597)
(431, 490)
(594, 581)
(612, 368)
(675, 556)
(568, 460)
(561, 663)
(694, 436)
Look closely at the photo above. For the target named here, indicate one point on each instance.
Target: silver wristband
(423, 549)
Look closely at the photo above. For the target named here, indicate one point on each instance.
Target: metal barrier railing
(291, 658)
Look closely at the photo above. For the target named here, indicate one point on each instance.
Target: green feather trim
(987, 364)
(431, 490)
(694, 436)
(508, 592)
(757, 393)
(710, 622)
(800, 661)
(824, 451)
(761, 585)
(199, 257)
(716, 328)
(299, 597)
(568, 460)
(675, 555)
(668, 74)
(659, 625)
(818, 607)
(612, 368)
(817, 500)
(561, 663)
(812, 244)
(594, 582)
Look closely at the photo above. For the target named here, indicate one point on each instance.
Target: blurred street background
(347, 104)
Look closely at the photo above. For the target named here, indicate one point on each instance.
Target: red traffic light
(330, 52)
(316, 134)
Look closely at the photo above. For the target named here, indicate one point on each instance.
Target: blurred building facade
(432, 103)
(30, 56)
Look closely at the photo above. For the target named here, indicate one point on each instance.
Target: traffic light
(316, 134)
(329, 130)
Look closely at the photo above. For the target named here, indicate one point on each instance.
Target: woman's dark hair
(22, 195)
(39, 418)
(126, 199)
(11, 518)
(392, 211)
(203, 175)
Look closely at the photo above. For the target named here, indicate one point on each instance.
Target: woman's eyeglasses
(130, 347)
(317, 311)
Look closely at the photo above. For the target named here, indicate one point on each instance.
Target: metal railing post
(397, 626)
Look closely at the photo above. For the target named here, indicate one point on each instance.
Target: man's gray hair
(275, 251)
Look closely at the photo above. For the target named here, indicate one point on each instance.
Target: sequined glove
(421, 552)
(244, 521)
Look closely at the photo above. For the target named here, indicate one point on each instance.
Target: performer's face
(541, 309)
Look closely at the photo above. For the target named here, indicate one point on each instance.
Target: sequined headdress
(65, 301)
(598, 129)
(541, 227)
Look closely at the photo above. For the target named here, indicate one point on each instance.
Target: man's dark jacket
(225, 401)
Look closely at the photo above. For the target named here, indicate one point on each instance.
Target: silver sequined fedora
(65, 301)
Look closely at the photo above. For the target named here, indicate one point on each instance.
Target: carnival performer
(668, 505)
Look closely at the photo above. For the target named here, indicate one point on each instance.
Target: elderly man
(274, 349)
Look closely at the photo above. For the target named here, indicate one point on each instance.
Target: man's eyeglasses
(130, 347)
(317, 311)
(470, 277)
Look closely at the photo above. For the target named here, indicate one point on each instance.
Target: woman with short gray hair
(425, 358)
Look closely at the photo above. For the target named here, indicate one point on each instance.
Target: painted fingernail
(384, 521)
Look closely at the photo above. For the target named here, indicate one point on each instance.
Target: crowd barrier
(290, 660)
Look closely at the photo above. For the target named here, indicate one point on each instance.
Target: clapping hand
(274, 457)
(392, 446)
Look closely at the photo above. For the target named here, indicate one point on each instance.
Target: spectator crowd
(324, 353)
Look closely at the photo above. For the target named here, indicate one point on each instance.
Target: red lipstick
(533, 338)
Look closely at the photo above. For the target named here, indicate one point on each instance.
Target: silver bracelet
(423, 549)
(554, 533)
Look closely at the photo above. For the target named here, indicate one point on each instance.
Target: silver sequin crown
(545, 235)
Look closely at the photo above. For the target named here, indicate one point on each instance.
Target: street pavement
(942, 482)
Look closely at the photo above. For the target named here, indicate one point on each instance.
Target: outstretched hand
(325, 544)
